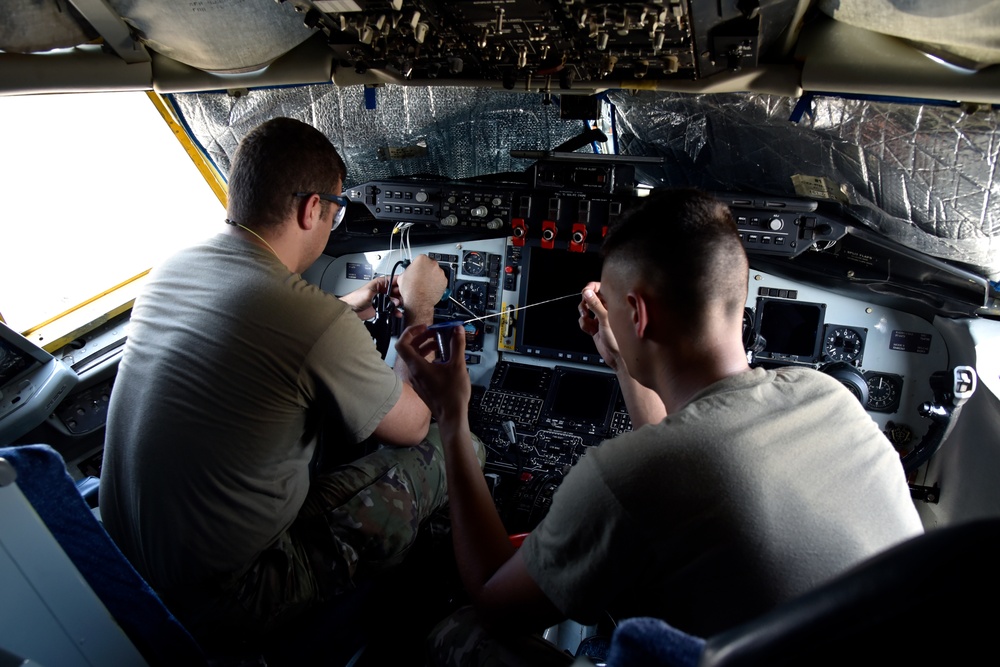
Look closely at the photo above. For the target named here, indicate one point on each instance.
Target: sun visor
(28, 27)
(217, 36)
(963, 32)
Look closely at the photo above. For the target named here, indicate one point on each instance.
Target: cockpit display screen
(522, 379)
(582, 396)
(792, 330)
(552, 330)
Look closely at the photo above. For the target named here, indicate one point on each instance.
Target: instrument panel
(570, 205)
(542, 397)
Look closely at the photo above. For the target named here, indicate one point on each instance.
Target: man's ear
(647, 315)
(310, 211)
(638, 312)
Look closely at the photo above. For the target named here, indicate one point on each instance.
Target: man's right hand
(594, 321)
(420, 287)
(444, 386)
(644, 405)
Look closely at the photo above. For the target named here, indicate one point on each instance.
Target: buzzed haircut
(684, 245)
(274, 161)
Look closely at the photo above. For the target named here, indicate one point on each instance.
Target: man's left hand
(360, 300)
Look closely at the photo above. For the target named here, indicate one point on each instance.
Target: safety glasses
(339, 200)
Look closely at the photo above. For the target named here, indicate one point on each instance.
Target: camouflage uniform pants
(358, 519)
(461, 641)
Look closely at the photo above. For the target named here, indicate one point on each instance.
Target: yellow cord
(262, 239)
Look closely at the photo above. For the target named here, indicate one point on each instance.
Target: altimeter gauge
(842, 343)
(473, 297)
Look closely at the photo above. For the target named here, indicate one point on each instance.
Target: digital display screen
(790, 329)
(553, 327)
(524, 380)
(582, 396)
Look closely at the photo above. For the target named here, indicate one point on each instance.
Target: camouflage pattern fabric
(461, 641)
(358, 519)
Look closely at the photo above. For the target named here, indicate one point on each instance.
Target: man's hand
(594, 321)
(444, 386)
(644, 405)
(496, 579)
(360, 300)
(421, 286)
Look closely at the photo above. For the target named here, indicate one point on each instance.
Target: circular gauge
(850, 377)
(842, 344)
(473, 297)
(474, 264)
(883, 392)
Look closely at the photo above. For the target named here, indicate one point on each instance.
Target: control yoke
(951, 390)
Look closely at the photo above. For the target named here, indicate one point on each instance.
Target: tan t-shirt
(765, 485)
(232, 363)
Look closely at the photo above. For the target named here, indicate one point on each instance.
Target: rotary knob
(495, 223)
(449, 221)
(479, 212)
(775, 224)
(421, 197)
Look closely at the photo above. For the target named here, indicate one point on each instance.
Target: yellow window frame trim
(74, 322)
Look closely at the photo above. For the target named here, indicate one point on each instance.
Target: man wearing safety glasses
(234, 368)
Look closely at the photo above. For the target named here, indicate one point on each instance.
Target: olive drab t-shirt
(231, 364)
(763, 486)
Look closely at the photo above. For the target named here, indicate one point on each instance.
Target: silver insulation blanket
(451, 133)
(925, 176)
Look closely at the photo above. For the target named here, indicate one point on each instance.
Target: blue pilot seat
(40, 475)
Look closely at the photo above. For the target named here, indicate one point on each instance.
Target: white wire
(514, 310)
(388, 255)
(405, 250)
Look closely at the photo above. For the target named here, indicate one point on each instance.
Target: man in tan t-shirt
(738, 489)
(233, 367)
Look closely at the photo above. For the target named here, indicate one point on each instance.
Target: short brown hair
(274, 161)
(684, 244)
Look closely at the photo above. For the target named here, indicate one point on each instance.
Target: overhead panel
(554, 44)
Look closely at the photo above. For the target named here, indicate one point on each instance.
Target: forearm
(358, 300)
(418, 314)
(413, 316)
(493, 574)
(361, 300)
(479, 537)
(644, 404)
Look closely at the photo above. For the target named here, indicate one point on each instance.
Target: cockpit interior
(855, 143)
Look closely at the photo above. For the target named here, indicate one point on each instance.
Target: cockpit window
(96, 190)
